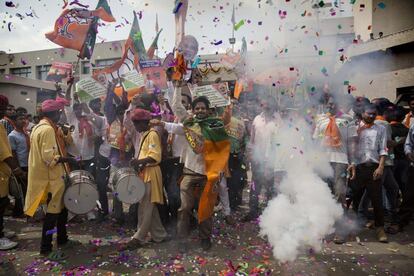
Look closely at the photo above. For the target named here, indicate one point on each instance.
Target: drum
(128, 186)
(81, 195)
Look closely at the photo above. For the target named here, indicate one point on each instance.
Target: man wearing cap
(46, 177)
(146, 162)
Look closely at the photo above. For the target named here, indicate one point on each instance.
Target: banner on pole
(59, 71)
(89, 89)
(218, 93)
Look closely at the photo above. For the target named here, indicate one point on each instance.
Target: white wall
(362, 18)
(383, 84)
(398, 15)
(13, 93)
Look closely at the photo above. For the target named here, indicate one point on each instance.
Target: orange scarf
(408, 119)
(60, 142)
(365, 126)
(120, 140)
(332, 134)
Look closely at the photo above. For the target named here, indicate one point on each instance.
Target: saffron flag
(215, 146)
(76, 28)
(134, 50)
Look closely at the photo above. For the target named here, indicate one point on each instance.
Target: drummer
(46, 178)
(117, 142)
(146, 161)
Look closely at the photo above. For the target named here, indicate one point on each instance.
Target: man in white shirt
(102, 163)
(83, 146)
(370, 156)
(262, 150)
(336, 144)
(337, 135)
(194, 177)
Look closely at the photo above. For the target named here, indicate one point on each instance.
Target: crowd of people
(193, 157)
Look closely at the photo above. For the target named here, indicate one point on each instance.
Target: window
(41, 71)
(86, 68)
(105, 62)
(2, 71)
(22, 72)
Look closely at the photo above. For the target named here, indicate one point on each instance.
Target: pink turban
(139, 114)
(54, 105)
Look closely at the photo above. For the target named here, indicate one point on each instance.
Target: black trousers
(19, 202)
(237, 180)
(172, 171)
(260, 180)
(401, 167)
(103, 167)
(365, 181)
(4, 202)
(407, 206)
(51, 221)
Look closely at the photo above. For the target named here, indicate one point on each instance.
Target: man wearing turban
(146, 162)
(47, 172)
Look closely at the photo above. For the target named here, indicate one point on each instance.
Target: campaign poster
(217, 93)
(59, 71)
(89, 89)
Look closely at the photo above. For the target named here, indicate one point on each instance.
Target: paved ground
(236, 251)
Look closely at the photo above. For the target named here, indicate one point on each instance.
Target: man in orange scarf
(409, 118)
(46, 178)
(388, 181)
(370, 160)
(337, 135)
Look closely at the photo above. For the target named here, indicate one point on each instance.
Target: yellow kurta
(45, 174)
(151, 147)
(5, 171)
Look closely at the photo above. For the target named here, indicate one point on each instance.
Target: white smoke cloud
(304, 211)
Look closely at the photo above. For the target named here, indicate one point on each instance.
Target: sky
(208, 20)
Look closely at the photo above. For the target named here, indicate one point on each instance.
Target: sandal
(392, 229)
(133, 244)
(57, 256)
(69, 244)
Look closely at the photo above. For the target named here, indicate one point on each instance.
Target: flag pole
(232, 29)
(76, 66)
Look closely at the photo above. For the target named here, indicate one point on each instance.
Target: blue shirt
(18, 144)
